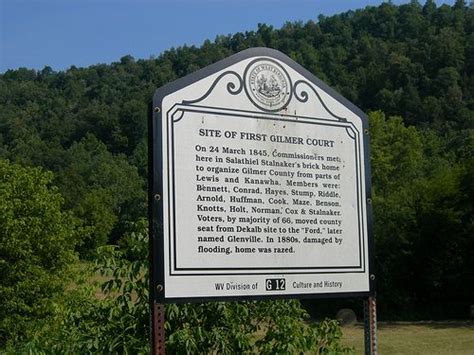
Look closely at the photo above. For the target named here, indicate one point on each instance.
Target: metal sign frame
(156, 180)
(155, 191)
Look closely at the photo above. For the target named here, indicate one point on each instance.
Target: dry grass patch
(454, 337)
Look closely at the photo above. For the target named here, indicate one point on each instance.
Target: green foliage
(37, 240)
(411, 61)
(110, 316)
(423, 219)
(264, 327)
(117, 321)
(396, 152)
(88, 126)
(102, 189)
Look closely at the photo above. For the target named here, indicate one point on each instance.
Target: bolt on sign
(260, 185)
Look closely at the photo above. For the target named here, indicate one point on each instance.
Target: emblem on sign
(268, 85)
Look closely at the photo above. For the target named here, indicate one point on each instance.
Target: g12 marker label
(275, 284)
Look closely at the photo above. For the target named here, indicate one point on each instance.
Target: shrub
(118, 322)
(37, 241)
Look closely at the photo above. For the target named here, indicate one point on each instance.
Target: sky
(61, 33)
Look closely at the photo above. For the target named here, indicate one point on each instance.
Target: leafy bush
(117, 321)
(37, 241)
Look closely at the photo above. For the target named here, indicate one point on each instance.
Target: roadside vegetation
(73, 179)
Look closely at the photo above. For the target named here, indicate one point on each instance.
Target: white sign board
(260, 184)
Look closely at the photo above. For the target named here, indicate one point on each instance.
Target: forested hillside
(410, 66)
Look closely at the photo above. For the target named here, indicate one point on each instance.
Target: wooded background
(73, 157)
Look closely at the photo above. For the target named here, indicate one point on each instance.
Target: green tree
(102, 189)
(37, 240)
(423, 220)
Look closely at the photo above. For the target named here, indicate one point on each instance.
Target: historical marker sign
(260, 184)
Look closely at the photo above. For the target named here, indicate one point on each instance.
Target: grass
(447, 338)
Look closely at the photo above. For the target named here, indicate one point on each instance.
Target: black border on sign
(274, 270)
(155, 179)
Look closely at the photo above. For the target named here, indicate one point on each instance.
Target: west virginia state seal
(267, 84)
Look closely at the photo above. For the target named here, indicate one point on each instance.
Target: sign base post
(158, 333)
(370, 326)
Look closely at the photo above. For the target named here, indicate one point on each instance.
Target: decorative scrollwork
(300, 96)
(234, 87)
(303, 96)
